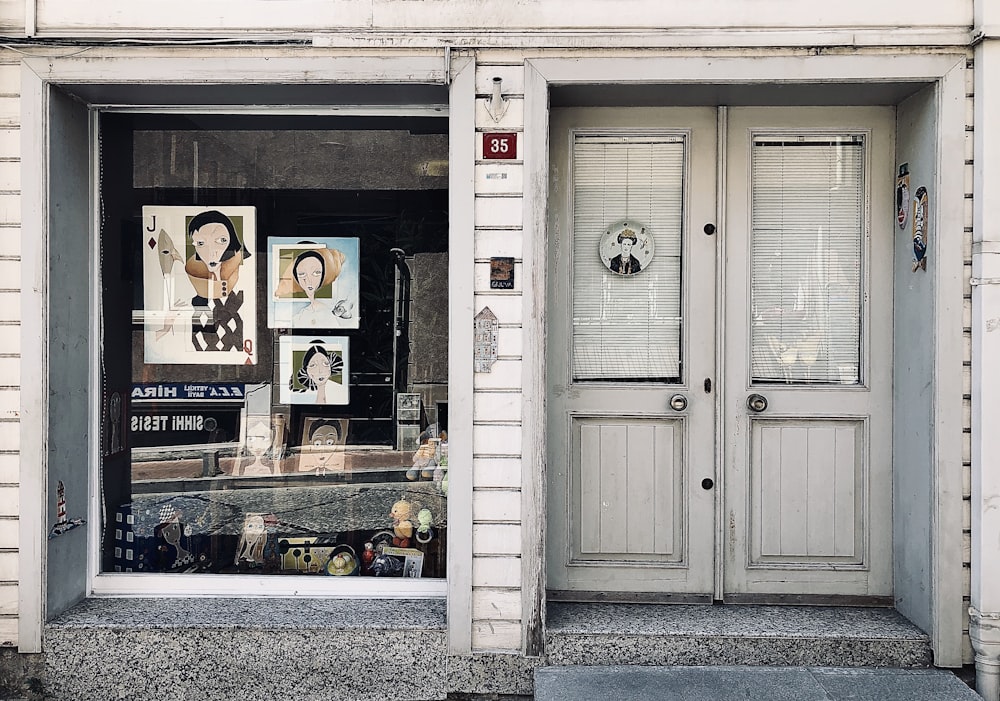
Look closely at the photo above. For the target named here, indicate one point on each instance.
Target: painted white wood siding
(188, 17)
(10, 344)
(497, 434)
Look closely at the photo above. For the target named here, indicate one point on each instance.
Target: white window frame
(39, 76)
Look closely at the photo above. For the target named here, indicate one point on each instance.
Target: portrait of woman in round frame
(626, 248)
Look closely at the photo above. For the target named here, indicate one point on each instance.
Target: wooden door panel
(807, 480)
(628, 482)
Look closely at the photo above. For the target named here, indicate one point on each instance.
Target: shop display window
(274, 339)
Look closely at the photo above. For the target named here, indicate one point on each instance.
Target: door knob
(678, 402)
(757, 402)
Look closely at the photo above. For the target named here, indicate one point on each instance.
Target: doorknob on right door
(757, 403)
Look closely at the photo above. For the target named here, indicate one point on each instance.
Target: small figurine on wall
(402, 526)
(63, 523)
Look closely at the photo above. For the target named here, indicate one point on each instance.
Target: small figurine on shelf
(423, 461)
(402, 526)
(387, 566)
(424, 521)
(367, 555)
(252, 541)
(342, 562)
(171, 530)
(441, 472)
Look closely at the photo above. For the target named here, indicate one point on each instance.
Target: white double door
(719, 411)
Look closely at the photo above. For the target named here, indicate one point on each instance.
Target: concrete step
(640, 683)
(669, 634)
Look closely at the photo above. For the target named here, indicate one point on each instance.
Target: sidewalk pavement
(635, 683)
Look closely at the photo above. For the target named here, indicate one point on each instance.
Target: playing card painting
(199, 285)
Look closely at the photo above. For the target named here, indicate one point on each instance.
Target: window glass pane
(274, 353)
(628, 211)
(808, 230)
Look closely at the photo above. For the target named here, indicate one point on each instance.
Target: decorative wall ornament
(626, 248)
(487, 329)
(322, 445)
(903, 195)
(63, 524)
(921, 232)
(502, 273)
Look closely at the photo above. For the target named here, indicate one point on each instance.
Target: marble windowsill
(255, 613)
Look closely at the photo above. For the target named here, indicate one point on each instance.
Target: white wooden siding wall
(10, 356)
(496, 497)
(847, 24)
(968, 656)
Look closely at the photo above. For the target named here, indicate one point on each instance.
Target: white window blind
(807, 237)
(627, 328)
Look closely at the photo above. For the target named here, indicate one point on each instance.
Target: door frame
(945, 72)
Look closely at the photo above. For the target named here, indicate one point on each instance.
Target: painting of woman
(317, 370)
(314, 284)
(205, 312)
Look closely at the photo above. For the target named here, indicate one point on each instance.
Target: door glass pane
(628, 212)
(807, 232)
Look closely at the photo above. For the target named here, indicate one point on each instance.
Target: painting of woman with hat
(314, 283)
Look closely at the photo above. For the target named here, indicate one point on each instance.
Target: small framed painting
(313, 283)
(314, 370)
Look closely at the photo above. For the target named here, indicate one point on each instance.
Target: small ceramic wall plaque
(626, 248)
(501, 273)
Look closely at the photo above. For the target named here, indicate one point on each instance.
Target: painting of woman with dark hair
(314, 284)
(210, 291)
(624, 263)
(316, 370)
(214, 269)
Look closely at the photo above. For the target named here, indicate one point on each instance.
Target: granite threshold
(361, 649)
(742, 634)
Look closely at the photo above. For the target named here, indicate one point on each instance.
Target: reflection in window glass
(808, 229)
(274, 357)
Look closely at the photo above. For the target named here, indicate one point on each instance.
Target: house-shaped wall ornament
(485, 344)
